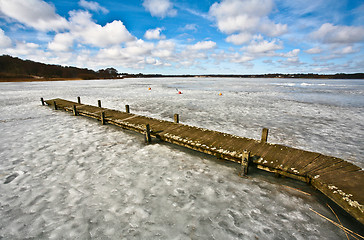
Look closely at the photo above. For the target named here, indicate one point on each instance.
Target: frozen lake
(78, 179)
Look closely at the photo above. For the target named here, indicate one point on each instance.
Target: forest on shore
(16, 69)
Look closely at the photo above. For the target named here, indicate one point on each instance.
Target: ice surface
(74, 178)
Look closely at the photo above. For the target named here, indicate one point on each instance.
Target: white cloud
(190, 27)
(133, 55)
(93, 6)
(242, 59)
(84, 30)
(291, 62)
(239, 39)
(165, 49)
(329, 33)
(347, 50)
(245, 17)
(138, 48)
(25, 49)
(291, 54)
(88, 32)
(271, 29)
(61, 42)
(263, 47)
(203, 45)
(34, 13)
(315, 50)
(154, 34)
(159, 8)
(5, 41)
(337, 53)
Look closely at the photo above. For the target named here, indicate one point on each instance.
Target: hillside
(12, 68)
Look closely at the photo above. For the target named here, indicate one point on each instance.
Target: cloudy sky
(188, 36)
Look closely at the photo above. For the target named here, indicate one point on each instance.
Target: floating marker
(179, 92)
(220, 94)
(149, 89)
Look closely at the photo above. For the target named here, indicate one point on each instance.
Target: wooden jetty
(339, 180)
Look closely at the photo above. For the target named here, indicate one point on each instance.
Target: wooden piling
(127, 109)
(99, 103)
(55, 105)
(176, 118)
(74, 110)
(42, 100)
(148, 138)
(79, 100)
(103, 121)
(245, 160)
(264, 135)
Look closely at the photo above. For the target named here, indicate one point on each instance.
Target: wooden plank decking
(339, 180)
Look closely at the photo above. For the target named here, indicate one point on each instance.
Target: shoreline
(51, 79)
(160, 76)
(38, 79)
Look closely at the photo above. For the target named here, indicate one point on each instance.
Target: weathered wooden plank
(349, 197)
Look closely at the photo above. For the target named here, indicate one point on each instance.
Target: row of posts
(148, 137)
(245, 161)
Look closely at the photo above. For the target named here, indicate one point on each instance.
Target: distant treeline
(269, 75)
(12, 67)
(16, 68)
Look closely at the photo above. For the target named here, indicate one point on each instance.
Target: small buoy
(179, 92)
(220, 94)
(149, 89)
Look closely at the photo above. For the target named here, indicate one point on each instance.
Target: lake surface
(75, 178)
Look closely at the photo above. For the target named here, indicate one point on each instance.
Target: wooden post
(127, 109)
(42, 100)
(55, 105)
(103, 122)
(79, 100)
(74, 110)
(245, 160)
(148, 138)
(264, 135)
(176, 118)
(99, 103)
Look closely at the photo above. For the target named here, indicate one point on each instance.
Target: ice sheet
(75, 178)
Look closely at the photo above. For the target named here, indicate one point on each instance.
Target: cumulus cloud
(134, 54)
(154, 34)
(24, 49)
(93, 6)
(272, 29)
(291, 54)
(5, 41)
(315, 50)
(203, 45)
(263, 47)
(245, 17)
(165, 49)
(83, 30)
(159, 8)
(347, 50)
(240, 38)
(87, 31)
(34, 13)
(329, 33)
(61, 42)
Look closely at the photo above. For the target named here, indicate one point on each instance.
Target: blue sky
(188, 36)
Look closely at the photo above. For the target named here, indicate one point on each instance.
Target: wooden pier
(339, 180)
